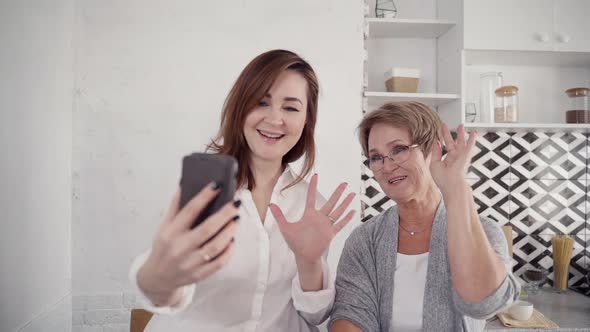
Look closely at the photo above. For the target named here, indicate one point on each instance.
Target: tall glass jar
(578, 111)
(506, 104)
(489, 82)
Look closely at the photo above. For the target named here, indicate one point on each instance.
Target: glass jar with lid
(506, 104)
(489, 82)
(578, 111)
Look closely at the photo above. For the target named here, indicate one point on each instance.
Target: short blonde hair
(422, 123)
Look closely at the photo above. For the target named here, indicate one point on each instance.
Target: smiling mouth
(397, 179)
(270, 135)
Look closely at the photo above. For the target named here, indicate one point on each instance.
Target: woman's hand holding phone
(180, 255)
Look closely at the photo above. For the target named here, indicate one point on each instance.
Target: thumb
(436, 152)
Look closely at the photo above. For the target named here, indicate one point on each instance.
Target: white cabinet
(524, 25)
(572, 25)
(527, 25)
(541, 46)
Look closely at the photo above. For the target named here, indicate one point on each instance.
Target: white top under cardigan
(258, 289)
(408, 292)
(366, 278)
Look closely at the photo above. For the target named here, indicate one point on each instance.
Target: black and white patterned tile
(585, 151)
(535, 251)
(536, 182)
(539, 155)
(548, 206)
(491, 158)
(492, 199)
(373, 200)
(530, 251)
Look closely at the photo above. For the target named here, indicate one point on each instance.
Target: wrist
(153, 288)
(305, 266)
(454, 186)
(310, 274)
(307, 263)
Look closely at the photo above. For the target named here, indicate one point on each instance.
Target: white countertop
(570, 310)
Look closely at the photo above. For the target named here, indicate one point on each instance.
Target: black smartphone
(200, 169)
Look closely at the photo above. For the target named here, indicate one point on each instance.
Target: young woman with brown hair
(276, 278)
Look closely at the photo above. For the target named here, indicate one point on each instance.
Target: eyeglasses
(399, 154)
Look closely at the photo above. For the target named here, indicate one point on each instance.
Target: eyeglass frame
(390, 157)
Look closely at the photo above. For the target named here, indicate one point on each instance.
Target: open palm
(310, 236)
(452, 169)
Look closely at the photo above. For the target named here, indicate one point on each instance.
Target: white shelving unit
(407, 28)
(526, 58)
(430, 99)
(542, 53)
(451, 53)
(405, 42)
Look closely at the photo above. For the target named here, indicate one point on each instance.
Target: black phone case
(200, 169)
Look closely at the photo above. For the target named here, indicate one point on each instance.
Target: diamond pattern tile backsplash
(537, 182)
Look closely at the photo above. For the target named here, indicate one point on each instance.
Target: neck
(266, 173)
(421, 208)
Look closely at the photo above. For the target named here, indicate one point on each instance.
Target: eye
(399, 149)
(375, 158)
(291, 109)
(262, 103)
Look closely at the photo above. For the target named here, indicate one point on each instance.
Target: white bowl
(521, 310)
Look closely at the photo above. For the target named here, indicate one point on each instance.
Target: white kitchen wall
(36, 87)
(151, 78)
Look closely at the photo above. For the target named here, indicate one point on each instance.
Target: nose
(389, 165)
(274, 116)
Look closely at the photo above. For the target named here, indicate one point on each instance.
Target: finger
(342, 207)
(279, 216)
(472, 139)
(195, 206)
(470, 144)
(217, 245)
(342, 223)
(173, 208)
(461, 135)
(448, 139)
(329, 206)
(436, 152)
(210, 250)
(212, 266)
(313, 185)
(215, 222)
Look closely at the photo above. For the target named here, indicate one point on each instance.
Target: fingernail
(236, 217)
(216, 185)
(237, 203)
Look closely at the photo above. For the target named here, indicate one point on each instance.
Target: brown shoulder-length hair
(249, 89)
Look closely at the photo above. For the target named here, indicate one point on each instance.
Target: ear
(427, 155)
(428, 158)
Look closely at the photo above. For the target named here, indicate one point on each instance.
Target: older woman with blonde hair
(430, 263)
